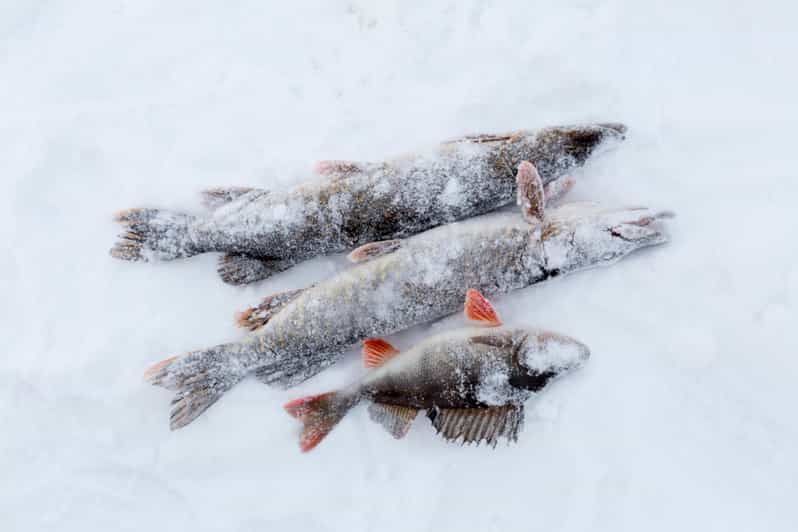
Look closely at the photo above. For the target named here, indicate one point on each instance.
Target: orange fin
(372, 250)
(319, 414)
(479, 309)
(377, 352)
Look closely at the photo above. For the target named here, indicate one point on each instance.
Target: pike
(403, 283)
(265, 232)
(471, 382)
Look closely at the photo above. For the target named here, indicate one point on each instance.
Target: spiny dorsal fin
(475, 425)
(372, 250)
(377, 351)
(395, 419)
(530, 192)
(478, 309)
(484, 138)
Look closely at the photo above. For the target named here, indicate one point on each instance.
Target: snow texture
(684, 417)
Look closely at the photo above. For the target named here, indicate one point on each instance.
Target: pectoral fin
(529, 195)
(395, 419)
(475, 425)
(478, 309)
(372, 250)
(377, 351)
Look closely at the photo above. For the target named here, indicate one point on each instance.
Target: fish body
(472, 368)
(425, 278)
(471, 382)
(263, 232)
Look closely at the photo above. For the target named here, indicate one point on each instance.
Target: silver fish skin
(424, 279)
(267, 232)
(472, 383)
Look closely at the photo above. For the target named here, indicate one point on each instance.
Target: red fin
(157, 369)
(377, 351)
(319, 414)
(479, 309)
(299, 408)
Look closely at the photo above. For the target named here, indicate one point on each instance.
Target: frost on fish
(356, 203)
(426, 278)
(471, 382)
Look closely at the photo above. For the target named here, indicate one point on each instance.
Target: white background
(685, 417)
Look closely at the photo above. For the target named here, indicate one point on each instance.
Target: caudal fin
(199, 378)
(154, 234)
(319, 414)
(238, 269)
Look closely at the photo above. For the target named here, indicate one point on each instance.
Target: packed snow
(684, 416)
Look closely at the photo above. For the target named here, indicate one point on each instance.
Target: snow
(682, 418)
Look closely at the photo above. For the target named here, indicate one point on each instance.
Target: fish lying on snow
(263, 232)
(472, 382)
(404, 283)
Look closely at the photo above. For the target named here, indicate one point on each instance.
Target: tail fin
(237, 269)
(199, 378)
(154, 234)
(319, 414)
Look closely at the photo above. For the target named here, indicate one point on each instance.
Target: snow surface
(684, 417)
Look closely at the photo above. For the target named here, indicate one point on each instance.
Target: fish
(262, 232)
(472, 382)
(396, 285)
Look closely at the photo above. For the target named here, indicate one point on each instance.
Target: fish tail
(239, 269)
(155, 234)
(200, 378)
(319, 414)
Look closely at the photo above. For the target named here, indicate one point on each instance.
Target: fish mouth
(582, 142)
(644, 228)
(617, 127)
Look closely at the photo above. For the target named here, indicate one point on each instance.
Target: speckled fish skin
(471, 382)
(426, 278)
(472, 368)
(460, 179)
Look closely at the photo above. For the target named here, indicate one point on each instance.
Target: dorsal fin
(372, 250)
(529, 193)
(377, 351)
(479, 309)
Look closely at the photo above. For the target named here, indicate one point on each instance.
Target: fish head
(580, 235)
(543, 355)
(556, 150)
